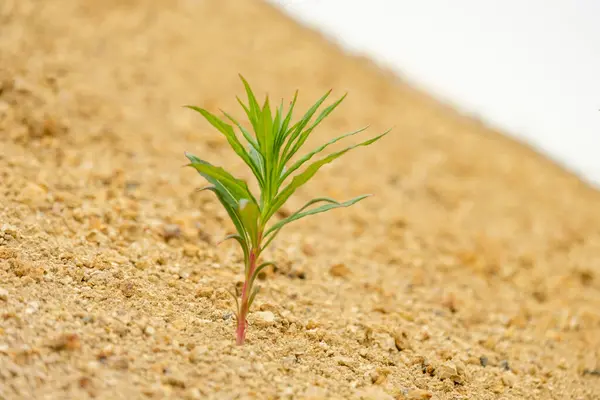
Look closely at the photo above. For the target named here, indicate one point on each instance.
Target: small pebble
(312, 324)
(175, 381)
(69, 342)
(205, 292)
(3, 294)
(264, 318)
(508, 380)
(179, 324)
(375, 393)
(418, 394)
(196, 355)
(483, 360)
(171, 231)
(184, 273)
(339, 270)
(189, 250)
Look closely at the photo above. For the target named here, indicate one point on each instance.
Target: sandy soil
(473, 273)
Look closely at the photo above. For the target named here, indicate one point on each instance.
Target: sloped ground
(472, 272)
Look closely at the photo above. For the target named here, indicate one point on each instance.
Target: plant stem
(243, 312)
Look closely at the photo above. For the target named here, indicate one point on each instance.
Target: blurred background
(529, 68)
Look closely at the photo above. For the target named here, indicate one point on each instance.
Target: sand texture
(472, 273)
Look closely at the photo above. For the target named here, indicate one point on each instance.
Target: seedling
(271, 145)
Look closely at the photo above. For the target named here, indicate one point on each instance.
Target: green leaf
(308, 156)
(308, 173)
(266, 127)
(332, 204)
(249, 114)
(242, 242)
(258, 159)
(249, 213)
(232, 189)
(299, 126)
(228, 132)
(257, 271)
(235, 298)
(302, 138)
(244, 131)
(252, 296)
(288, 118)
(233, 215)
(277, 124)
(254, 112)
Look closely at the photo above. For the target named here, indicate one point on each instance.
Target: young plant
(271, 144)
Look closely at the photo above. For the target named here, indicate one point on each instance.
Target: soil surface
(472, 273)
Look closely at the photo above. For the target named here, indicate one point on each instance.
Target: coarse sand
(472, 273)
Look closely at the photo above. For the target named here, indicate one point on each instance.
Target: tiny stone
(345, 361)
(452, 372)
(418, 394)
(504, 365)
(446, 371)
(171, 231)
(184, 273)
(308, 250)
(508, 380)
(149, 330)
(401, 341)
(339, 270)
(375, 393)
(562, 364)
(205, 292)
(179, 324)
(10, 230)
(128, 288)
(483, 360)
(189, 250)
(312, 324)
(66, 342)
(121, 363)
(197, 353)
(175, 381)
(3, 294)
(193, 394)
(265, 318)
(593, 372)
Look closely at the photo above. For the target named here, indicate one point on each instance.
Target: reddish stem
(242, 324)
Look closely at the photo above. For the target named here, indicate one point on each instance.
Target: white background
(528, 67)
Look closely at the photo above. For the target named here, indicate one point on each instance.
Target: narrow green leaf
(277, 121)
(288, 117)
(244, 131)
(254, 111)
(267, 129)
(241, 241)
(258, 159)
(233, 215)
(228, 132)
(308, 156)
(302, 138)
(258, 270)
(253, 296)
(232, 189)
(308, 173)
(249, 213)
(250, 114)
(235, 298)
(332, 204)
(299, 126)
